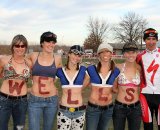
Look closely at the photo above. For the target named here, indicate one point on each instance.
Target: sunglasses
(51, 35)
(150, 31)
(77, 52)
(150, 38)
(19, 46)
(48, 39)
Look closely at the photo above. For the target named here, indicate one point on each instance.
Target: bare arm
(86, 81)
(1, 67)
(115, 87)
(140, 73)
(29, 62)
(58, 61)
(29, 56)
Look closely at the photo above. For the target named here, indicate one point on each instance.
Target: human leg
(134, 118)
(119, 117)
(105, 118)
(35, 109)
(70, 120)
(147, 111)
(19, 113)
(5, 112)
(157, 109)
(63, 122)
(78, 122)
(49, 112)
(92, 118)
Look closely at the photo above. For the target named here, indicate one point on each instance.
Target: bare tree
(97, 32)
(130, 28)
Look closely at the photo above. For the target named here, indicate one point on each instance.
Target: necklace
(19, 62)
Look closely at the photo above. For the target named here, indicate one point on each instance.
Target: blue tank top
(45, 71)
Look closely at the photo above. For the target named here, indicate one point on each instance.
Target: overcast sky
(68, 18)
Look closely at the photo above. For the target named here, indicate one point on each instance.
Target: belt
(100, 107)
(73, 109)
(127, 105)
(12, 97)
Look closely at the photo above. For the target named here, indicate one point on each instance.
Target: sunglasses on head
(151, 38)
(150, 31)
(77, 52)
(19, 46)
(51, 35)
(48, 39)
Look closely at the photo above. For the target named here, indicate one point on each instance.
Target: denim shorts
(72, 115)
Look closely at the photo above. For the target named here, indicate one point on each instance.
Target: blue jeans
(39, 107)
(131, 113)
(15, 107)
(98, 117)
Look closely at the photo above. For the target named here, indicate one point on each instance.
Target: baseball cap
(131, 46)
(150, 32)
(104, 46)
(76, 49)
(48, 36)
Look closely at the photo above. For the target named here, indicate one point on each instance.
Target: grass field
(86, 92)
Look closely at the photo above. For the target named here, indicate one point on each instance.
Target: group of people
(134, 83)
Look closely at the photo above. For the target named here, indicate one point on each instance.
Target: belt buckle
(71, 109)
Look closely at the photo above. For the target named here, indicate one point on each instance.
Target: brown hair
(77, 68)
(48, 36)
(17, 40)
(99, 65)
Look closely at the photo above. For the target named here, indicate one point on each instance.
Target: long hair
(67, 64)
(99, 65)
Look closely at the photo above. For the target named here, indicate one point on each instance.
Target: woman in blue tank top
(43, 99)
(71, 114)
